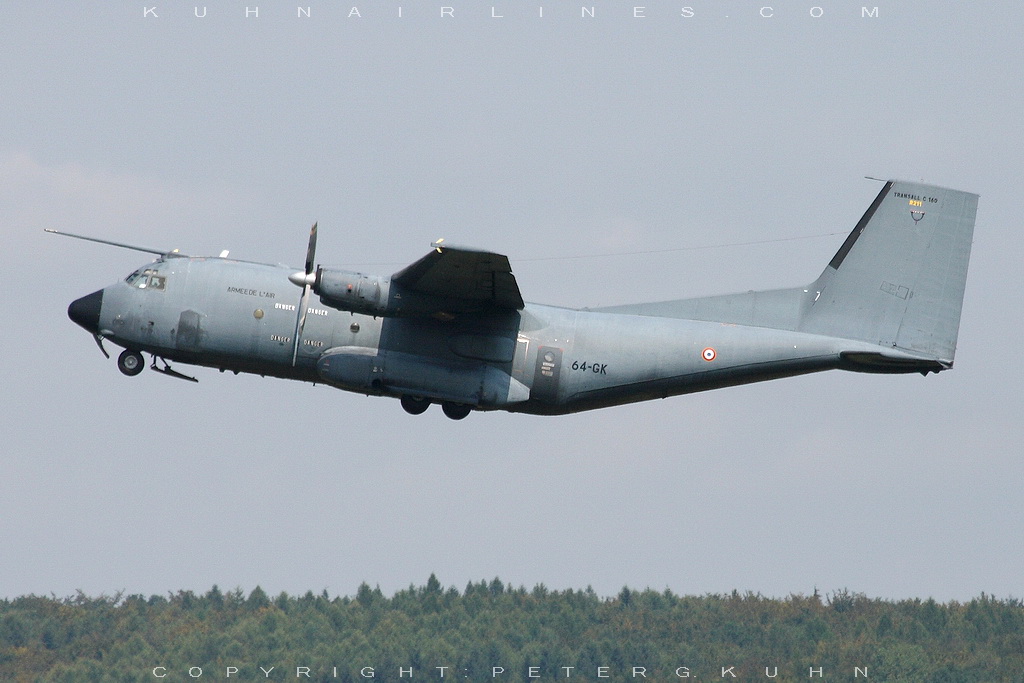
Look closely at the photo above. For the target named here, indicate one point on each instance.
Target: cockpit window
(134, 278)
(147, 279)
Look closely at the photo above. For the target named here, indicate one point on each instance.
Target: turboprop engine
(350, 291)
(375, 295)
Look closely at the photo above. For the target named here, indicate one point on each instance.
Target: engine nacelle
(377, 295)
(350, 291)
(391, 372)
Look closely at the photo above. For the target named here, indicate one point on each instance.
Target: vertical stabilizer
(898, 280)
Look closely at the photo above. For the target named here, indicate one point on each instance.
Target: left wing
(469, 278)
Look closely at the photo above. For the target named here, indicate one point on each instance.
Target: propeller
(305, 280)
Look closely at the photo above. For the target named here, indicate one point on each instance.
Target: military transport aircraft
(452, 328)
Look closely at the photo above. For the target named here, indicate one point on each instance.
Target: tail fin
(898, 280)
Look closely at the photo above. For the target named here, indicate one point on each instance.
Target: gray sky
(533, 136)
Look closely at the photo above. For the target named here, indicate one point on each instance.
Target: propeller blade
(300, 322)
(311, 250)
(300, 318)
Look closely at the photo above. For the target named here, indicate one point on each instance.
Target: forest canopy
(492, 632)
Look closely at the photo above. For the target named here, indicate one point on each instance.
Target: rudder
(898, 280)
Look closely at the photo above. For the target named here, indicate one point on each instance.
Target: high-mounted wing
(464, 276)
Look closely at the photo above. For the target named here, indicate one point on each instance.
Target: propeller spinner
(304, 280)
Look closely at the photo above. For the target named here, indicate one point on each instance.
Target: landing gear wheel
(130, 362)
(455, 411)
(415, 405)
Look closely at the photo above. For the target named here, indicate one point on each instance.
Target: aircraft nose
(86, 311)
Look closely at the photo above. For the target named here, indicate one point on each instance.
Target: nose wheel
(130, 362)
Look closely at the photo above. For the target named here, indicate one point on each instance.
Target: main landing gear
(455, 411)
(417, 405)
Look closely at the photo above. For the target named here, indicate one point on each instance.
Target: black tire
(414, 405)
(456, 411)
(131, 362)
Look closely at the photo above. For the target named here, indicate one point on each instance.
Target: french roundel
(708, 354)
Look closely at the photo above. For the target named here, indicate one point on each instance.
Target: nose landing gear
(130, 362)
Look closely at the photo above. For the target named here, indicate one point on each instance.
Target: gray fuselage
(240, 316)
(452, 327)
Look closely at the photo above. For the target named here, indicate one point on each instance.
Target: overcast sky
(536, 136)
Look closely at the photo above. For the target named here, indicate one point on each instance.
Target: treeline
(500, 634)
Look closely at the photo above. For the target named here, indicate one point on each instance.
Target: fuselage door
(521, 358)
(546, 373)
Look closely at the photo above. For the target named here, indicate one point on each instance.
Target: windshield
(146, 278)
